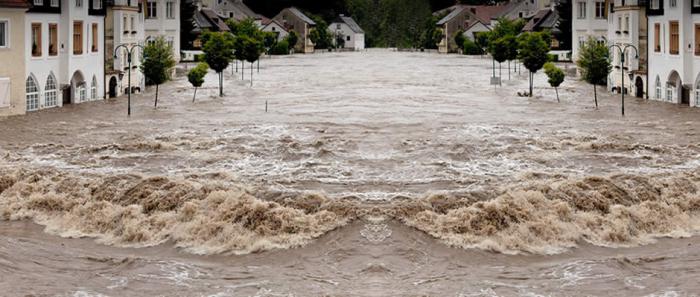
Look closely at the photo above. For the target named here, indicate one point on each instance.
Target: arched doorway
(78, 87)
(674, 87)
(113, 87)
(639, 87)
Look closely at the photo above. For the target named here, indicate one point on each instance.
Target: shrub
(281, 48)
(471, 48)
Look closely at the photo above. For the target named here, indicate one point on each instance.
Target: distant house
(207, 20)
(232, 9)
(270, 25)
(544, 20)
(346, 28)
(471, 19)
(294, 20)
(12, 55)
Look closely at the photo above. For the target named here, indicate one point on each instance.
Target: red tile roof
(14, 3)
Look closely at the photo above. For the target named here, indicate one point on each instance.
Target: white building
(269, 25)
(674, 51)
(628, 26)
(346, 28)
(590, 19)
(162, 19)
(64, 52)
(124, 25)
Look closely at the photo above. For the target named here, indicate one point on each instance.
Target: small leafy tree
(594, 64)
(533, 53)
(158, 63)
(511, 49)
(320, 35)
(292, 39)
(196, 77)
(499, 51)
(218, 53)
(281, 48)
(250, 50)
(471, 48)
(459, 38)
(555, 76)
(482, 40)
(437, 36)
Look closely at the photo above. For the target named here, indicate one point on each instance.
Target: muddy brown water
(372, 174)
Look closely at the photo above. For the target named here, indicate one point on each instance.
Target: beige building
(12, 86)
(294, 20)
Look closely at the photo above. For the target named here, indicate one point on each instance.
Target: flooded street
(370, 174)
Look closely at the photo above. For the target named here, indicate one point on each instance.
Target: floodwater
(370, 174)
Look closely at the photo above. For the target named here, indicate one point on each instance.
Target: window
(170, 40)
(53, 39)
(697, 92)
(627, 24)
(5, 92)
(658, 87)
(124, 25)
(655, 4)
(696, 3)
(32, 94)
(78, 3)
(93, 88)
(151, 10)
(77, 38)
(96, 4)
(169, 10)
(581, 10)
(674, 39)
(54, 3)
(669, 93)
(50, 91)
(81, 92)
(338, 26)
(697, 39)
(348, 38)
(599, 10)
(657, 37)
(36, 40)
(619, 24)
(95, 38)
(133, 24)
(4, 34)
(38, 2)
(673, 3)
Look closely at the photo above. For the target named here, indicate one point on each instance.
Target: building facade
(124, 26)
(674, 51)
(590, 19)
(346, 28)
(162, 19)
(64, 52)
(12, 50)
(294, 20)
(628, 27)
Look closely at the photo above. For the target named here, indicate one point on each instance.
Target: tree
(320, 35)
(281, 48)
(533, 53)
(555, 76)
(196, 77)
(158, 63)
(594, 64)
(250, 50)
(218, 53)
(471, 48)
(482, 40)
(459, 38)
(292, 39)
(499, 51)
(511, 49)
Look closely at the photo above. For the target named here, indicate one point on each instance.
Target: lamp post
(129, 52)
(622, 49)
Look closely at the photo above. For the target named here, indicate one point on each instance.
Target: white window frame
(93, 88)
(673, 3)
(32, 98)
(51, 95)
(6, 38)
(54, 3)
(655, 4)
(151, 9)
(132, 20)
(599, 10)
(78, 3)
(658, 88)
(96, 4)
(696, 3)
(170, 10)
(581, 10)
(38, 2)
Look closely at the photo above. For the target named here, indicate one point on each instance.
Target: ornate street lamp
(129, 52)
(622, 49)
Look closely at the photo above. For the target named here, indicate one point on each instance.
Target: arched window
(32, 89)
(93, 88)
(50, 91)
(658, 87)
(82, 92)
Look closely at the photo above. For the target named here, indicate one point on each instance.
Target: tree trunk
(236, 61)
(508, 69)
(557, 91)
(221, 84)
(156, 105)
(595, 95)
(531, 77)
(251, 74)
(499, 74)
(242, 70)
(195, 94)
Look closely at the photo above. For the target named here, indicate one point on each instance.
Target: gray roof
(455, 12)
(301, 15)
(351, 23)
